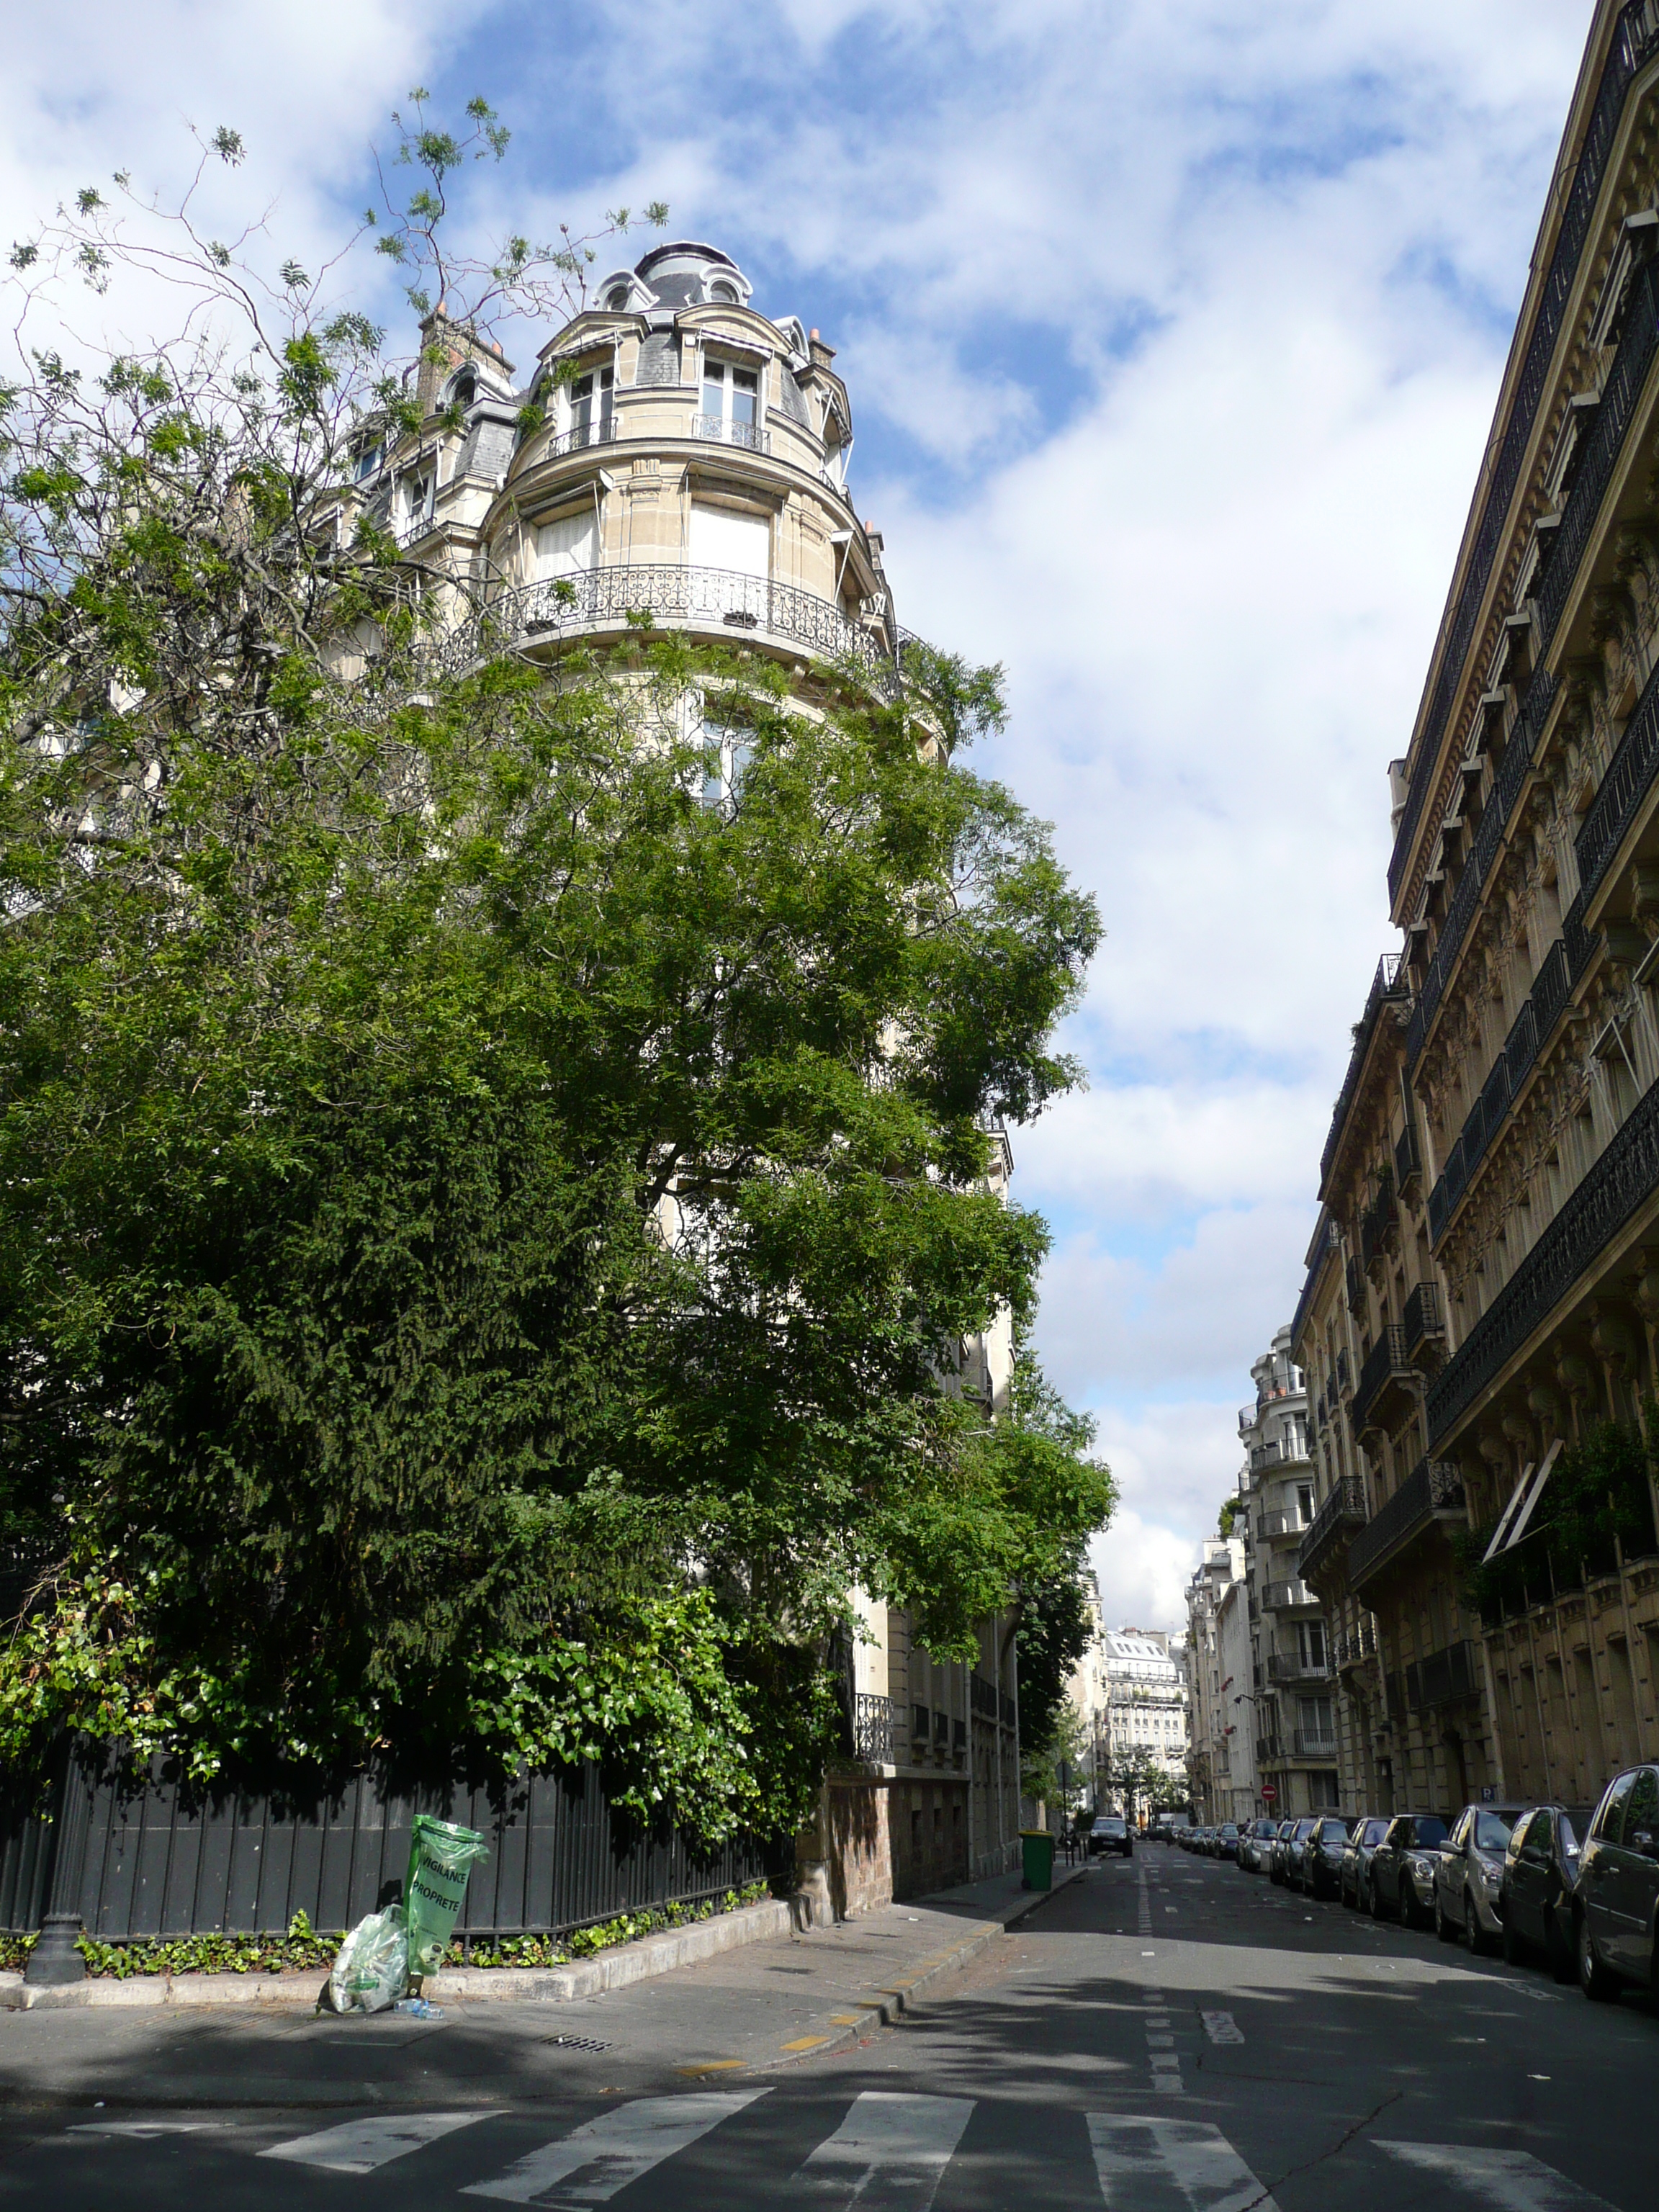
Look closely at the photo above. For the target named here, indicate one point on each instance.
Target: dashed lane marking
(1221, 2027)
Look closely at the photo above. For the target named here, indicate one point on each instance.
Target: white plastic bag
(372, 1971)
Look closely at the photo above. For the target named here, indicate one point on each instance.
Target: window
(617, 298)
(725, 757)
(590, 408)
(1305, 1499)
(369, 459)
(418, 495)
(730, 403)
(570, 546)
(1641, 1817)
(726, 293)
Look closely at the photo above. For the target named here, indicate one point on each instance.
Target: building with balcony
(1221, 1759)
(1146, 1713)
(1487, 1257)
(676, 461)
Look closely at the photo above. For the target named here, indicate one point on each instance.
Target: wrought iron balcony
(580, 437)
(1635, 38)
(1431, 1493)
(1407, 1160)
(1352, 1651)
(1389, 983)
(715, 599)
(1342, 1368)
(1422, 1323)
(1378, 1221)
(1444, 1676)
(750, 435)
(875, 1730)
(1385, 1373)
(1626, 1175)
(1339, 1512)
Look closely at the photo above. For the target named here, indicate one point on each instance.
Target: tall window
(730, 403)
(570, 546)
(590, 408)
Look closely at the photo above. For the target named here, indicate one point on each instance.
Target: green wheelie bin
(1037, 1847)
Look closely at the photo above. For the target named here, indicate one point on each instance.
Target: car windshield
(1492, 1831)
(1332, 1832)
(1111, 1825)
(1430, 1831)
(1374, 1832)
(1265, 1828)
(1303, 1828)
(1228, 1828)
(1575, 1825)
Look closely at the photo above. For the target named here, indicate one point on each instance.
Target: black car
(1617, 1900)
(1321, 1856)
(1402, 1868)
(1226, 1840)
(1111, 1832)
(1296, 1869)
(1540, 1874)
(1276, 1850)
(1368, 1832)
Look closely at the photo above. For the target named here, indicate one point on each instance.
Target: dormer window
(616, 299)
(368, 458)
(724, 293)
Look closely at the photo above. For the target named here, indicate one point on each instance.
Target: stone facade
(1483, 1287)
(675, 453)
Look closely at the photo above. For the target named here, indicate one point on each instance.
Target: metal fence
(148, 1856)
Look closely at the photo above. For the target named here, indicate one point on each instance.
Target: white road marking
(1198, 2168)
(1222, 2027)
(889, 2151)
(1509, 2180)
(619, 2145)
(359, 2146)
(143, 2129)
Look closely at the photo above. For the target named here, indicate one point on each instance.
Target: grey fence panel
(161, 1859)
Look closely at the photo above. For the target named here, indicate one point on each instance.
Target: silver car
(1469, 1876)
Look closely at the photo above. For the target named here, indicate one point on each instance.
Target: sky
(1173, 329)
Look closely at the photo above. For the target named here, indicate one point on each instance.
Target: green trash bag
(441, 1858)
(372, 1971)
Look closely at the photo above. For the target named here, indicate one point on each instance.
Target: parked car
(1253, 1845)
(1201, 1841)
(1111, 1832)
(1540, 1874)
(1468, 1875)
(1296, 1849)
(1368, 1831)
(1276, 1849)
(1226, 1840)
(1402, 1868)
(1321, 1856)
(1617, 1898)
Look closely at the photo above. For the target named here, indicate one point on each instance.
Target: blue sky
(1173, 329)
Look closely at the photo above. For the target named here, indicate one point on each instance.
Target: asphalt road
(1168, 2034)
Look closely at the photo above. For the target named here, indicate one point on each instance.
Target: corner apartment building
(1483, 1287)
(1146, 1695)
(674, 453)
(1290, 1690)
(1222, 1778)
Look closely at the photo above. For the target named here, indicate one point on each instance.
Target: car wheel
(1474, 1934)
(1442, 1926)
(1374, 1901)
(1599, 1983)
(1407, 1902)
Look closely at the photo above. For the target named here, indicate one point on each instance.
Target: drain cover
(575, 2042)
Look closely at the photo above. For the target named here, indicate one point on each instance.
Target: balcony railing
(1622, 791)
(1422, 1320)
(1407, 1160)
(1388, 982)
(1532, 1028)
(750, 435)
(1342, 1511)
(1634, 40)
(1432, 1491)
(1286, 1666)
(1355, 1649)
(1277, 1597)
(1444, 1676)
(875, 1730)
(1626, 1173)
(713, 598)
(1283, 1523)
(1314, 1743)
(1385, 1364)
(580, 437)
(1377, 1220)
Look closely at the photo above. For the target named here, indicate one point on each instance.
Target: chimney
(822, 354)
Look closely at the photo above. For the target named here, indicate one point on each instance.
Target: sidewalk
(768, 2005)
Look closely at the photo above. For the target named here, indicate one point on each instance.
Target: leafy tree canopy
(488, 1236)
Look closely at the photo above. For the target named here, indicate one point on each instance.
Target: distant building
(1221, 1761)
(1146, 1705)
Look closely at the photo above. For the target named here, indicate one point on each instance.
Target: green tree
(488, 1236)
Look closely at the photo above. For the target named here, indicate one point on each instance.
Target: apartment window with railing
(731, 404)
(592, 398)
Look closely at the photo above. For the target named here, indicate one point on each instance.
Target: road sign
(1268, 1793)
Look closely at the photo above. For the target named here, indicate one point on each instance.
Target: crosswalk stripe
(1199, 2167)
(890, 2151)
(1511, 2180)
(359, 2146)
(619, 2145)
